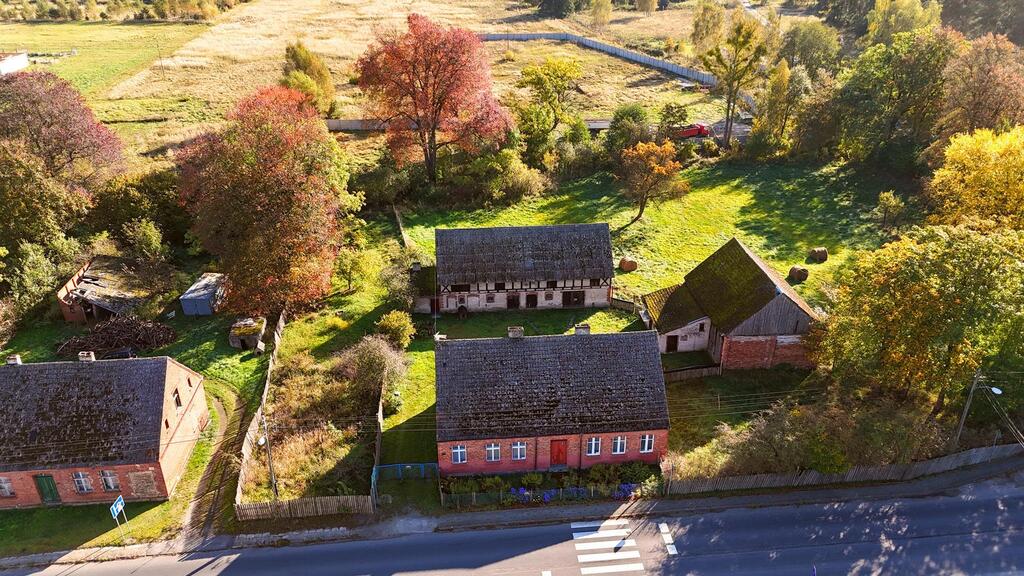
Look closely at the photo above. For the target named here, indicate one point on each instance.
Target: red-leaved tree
(51, 118)
(269, 197)
(432, 87)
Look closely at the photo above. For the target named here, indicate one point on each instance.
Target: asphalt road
(976, 532)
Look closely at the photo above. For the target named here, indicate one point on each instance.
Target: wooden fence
(299, 507)
(692, 373)
(630, 55)
(894, 473)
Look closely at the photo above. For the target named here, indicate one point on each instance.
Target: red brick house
(737, 308)
(520, 404)
(88, 431)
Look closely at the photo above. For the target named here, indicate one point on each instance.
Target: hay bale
(797, 274)
(627, 265)
(819, 254)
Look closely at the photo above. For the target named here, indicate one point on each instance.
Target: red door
(558, 452)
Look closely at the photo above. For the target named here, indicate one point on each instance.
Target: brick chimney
(86, 356)
(583, 328)
(14, 360)
(515, 331)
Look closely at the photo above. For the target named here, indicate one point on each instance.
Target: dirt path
(202, 509)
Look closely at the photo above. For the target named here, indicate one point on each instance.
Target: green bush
(604, 474)
(493, 484)
(636, 472)
(397, 327)
(709, 148)
(532, 480)
(143, 240)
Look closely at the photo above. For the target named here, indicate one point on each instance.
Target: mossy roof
(673, 307)
(112, 283)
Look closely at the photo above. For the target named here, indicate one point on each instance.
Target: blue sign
(117, 506)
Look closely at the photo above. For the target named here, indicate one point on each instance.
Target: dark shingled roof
(673, 307)
(506, 254)
(549, 385)
(733, 284)
(62, 414)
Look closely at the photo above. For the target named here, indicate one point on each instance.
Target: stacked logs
(118, 333)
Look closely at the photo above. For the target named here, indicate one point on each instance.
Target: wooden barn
(737, 308)
(527, 267)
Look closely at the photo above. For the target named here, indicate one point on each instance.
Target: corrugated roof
(525, 253)
(62, 414)
(733, 284)
(544, 385)
(205, 288)
(673, 307)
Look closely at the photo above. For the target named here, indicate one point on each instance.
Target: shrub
(636, 472)
(709, 148)
(508, 56)
(461, 485)
(532, 480)
(376, 369)
(493, 484)
(630, 125)
(397, 327)
(604, 474)
(337, 323)
(143, 240)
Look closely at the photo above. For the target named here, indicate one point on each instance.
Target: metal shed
(203, 297)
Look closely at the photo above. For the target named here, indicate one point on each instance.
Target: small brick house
(105, 286)
(538, 403)
(85, 432)
(523, 267)
(737, 308)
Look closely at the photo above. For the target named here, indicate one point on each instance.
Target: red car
(692, 131)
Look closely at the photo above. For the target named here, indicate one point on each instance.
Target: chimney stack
(14, 360)
(86, 356)
(583, 328)
(515, 331)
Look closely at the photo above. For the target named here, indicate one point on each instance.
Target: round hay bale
(819, 254)
(798, 274)
(627, 265)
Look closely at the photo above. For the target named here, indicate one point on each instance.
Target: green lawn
(679, 360)
(778, 211)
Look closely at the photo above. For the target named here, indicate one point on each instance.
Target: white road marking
(671, 550)
(608, 556)
(667, 538)
(607, 544)
(599, 523)
(546, 573)
(601, 534)
(611, 569)
(663, 527)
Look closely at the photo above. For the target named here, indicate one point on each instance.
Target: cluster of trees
(113, 9)
(970, 17)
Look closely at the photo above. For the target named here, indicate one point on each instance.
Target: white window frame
(83, 484)
(619, 445)
(519, 450)
(494, 448)
(110, 481)
(459, 455)
(594, 446)
(646, 443)
(6, 488)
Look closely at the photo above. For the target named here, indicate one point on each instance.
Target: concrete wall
(691, 337)
(137, 482)
(538, 453)
(749, 352)
(476, 299)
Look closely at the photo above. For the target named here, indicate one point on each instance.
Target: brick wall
(750, 352)
(137, 482)
(538, 453)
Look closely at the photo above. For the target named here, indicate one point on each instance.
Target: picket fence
(637, 57)
(894, 473)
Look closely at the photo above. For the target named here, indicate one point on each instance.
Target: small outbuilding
(105, 287)
(203, 297)
(247, 334)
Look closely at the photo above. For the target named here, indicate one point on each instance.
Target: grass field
(778, 211)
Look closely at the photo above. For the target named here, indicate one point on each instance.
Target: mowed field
(161, 84)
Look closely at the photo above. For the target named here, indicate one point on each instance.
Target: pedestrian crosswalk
(604, 547)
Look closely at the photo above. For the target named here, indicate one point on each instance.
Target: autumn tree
(306, 72)
(707, 25)
(984, 87)
(269, 197)
(975, 18)
(600, 13)
(50, 117)
(811, 44)
(432, 86)
(889, 210)
(649, 172)
(776, 105)
(551, 86)
(981, 179)
(891, 17)
(735, 63)
(918, 316)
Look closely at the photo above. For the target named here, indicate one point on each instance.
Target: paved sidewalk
(955, 481)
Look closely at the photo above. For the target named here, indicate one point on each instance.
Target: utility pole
(270, 456)
(967, 407)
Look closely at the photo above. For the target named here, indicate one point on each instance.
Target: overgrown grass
(779, 211)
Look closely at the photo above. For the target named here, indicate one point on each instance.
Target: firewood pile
(118, 333)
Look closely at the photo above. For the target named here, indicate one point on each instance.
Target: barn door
(672, 343)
